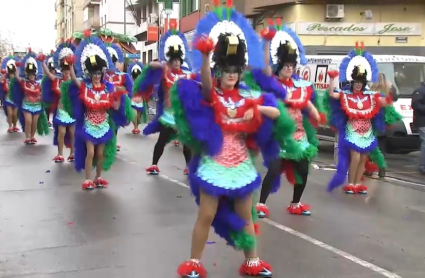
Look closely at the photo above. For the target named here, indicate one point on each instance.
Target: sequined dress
(61, 117)
(8, 101)
(32, 97)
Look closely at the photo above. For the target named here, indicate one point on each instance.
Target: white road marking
(305, 237)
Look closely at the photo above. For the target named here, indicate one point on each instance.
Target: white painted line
(305, 237)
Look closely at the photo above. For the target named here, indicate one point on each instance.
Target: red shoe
(118, 148)
(15, 129)
(256, 268)
(71, 158)
(58, 159)
(10, 130)
(136, 131)
(33, 141)
(176, 143)
(28, 141)
(152, 170)
(349, 189)
(299, 209)
(87, 185)
(192, 269)
(262, 210)
(185, 171)
(100, 182)
(360, 189)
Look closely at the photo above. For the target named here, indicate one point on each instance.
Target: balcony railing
(92, 23)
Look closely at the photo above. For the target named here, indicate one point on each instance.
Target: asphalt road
(140, 226)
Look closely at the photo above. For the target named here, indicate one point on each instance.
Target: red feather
(216, 3)
(229, 3)
(87, 33)
(271, 23)
(29, 50)
(357, 45)
(52, 51)
(279, 21)
(362, 45)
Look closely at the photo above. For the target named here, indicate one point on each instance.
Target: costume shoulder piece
(92, 52)
(30, 64)
(134, 69)
(173, 44)
(116, 52)
(226, 20)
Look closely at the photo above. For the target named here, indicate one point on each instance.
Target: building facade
(69, 18)
(334, 28)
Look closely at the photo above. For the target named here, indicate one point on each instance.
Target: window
(150, 56)
(189, 6)
(86, 14)
(405, 77)
(144, 58)
(150, 8)
(145, 15)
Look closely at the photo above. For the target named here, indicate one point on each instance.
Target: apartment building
(69, 18)
(149, 17)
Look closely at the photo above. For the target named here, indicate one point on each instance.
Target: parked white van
(404, 72)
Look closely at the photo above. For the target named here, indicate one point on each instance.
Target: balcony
(92, 23)
(89, 3)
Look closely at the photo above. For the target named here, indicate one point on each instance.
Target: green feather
(129, 111)
(11, 86)
(43, 124)
(391, 115)
(378, 158)
(65, 100)
(140, 79)
(183, 128)
(249, 81)
(283, 130)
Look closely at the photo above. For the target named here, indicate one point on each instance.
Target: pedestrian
(138, 103)
(218, 118)
(96, 107)
(300, 100)
(418, 106)
(174, 66)
(63, 123)
(121, 81)
(357, 113)
(27, 96)
(8, 68)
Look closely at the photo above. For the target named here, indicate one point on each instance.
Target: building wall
(112, 16)
(69, 19)
(400, 15)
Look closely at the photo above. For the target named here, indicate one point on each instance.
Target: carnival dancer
(216, 119)
(96, 107)
(63, 123)
(50, 68)
(137, 102)
(357, 114)
(121, 81)
(26, 93)
(284, 50)
(8, 69)
(173, 52)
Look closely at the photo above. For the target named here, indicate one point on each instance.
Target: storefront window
(405, 77)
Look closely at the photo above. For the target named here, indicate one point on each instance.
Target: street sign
(168, 4)
(132, 56)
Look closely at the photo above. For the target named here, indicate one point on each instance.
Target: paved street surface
(141, 225)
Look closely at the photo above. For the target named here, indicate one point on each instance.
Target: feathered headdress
(226, 20)
(92, 55)
(229, 50)
(173, 45)
(134, 69)
(359, 65)
(9, 64)
(286, 46)
(30, 65)
(115, 51)
(65, 48)
(50, 61)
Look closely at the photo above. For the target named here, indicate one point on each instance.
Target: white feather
(31, 60)
(112, 52)
(174, 40)
(66, 51)
(11, 62)
(136, 66)
(282, 37)
(227, 27)
(358, 61)
(91, 50)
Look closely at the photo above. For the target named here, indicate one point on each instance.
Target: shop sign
(356, 29)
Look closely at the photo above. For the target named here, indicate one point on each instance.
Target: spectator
(384, 87)
(418, 106)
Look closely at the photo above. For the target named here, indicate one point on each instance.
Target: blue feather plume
(162, 50)
(130, 67)
(58, 51)
(24, 61)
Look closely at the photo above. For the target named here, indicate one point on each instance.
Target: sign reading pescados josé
(347, 29)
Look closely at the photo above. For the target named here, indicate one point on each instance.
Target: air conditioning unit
(334, 11)
(206, 8)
